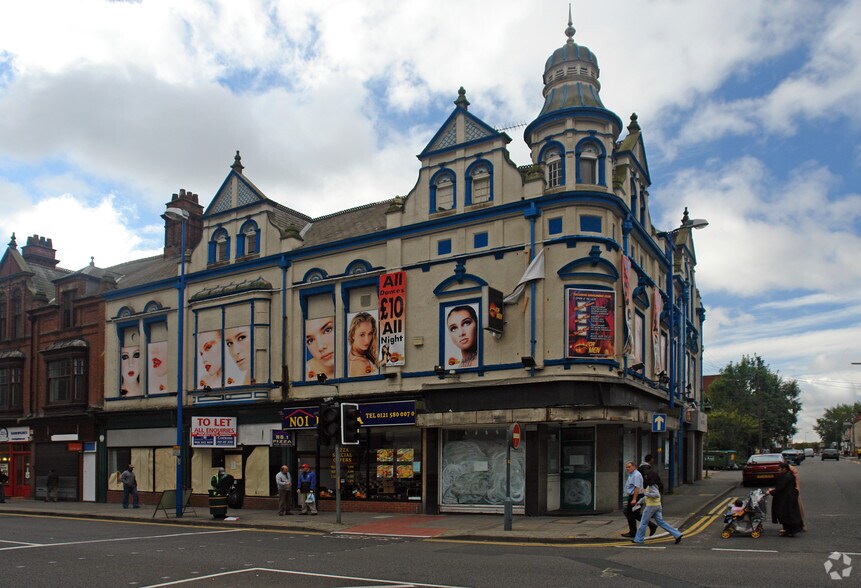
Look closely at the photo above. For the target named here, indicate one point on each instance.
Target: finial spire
(686, 217)
(92, 261)
(569, 32)
(237, 163)
(13, 243)
(461, 99)
(634, 126)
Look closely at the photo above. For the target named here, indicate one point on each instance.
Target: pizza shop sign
(213, 431)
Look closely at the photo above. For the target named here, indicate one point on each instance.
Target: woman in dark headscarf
(784, 504)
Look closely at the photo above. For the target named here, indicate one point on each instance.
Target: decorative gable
(462, 128)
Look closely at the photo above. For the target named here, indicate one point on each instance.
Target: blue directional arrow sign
(659, 423)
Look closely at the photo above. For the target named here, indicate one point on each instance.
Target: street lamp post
(180, 215)
(670, 236)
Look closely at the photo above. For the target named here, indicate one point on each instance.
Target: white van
(808, 452)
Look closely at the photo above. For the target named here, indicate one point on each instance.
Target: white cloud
(61, 219)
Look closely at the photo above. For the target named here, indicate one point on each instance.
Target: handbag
(310, 498)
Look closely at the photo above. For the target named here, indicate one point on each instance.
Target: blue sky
(749, 111)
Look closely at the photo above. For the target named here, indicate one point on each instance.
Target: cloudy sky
(749, 109)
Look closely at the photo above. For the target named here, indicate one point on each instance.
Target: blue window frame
(554, 226)
(443, 191)
(479, 240)
(248, 239)
(443, 247)
(479, 182)
(590, 224)
(219, 246)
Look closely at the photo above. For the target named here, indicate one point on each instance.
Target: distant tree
(752, 394)
(832, 423)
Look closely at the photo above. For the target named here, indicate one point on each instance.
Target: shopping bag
(310, 499)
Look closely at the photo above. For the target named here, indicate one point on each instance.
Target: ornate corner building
(490, 294)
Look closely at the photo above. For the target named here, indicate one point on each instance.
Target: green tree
(764, 405)
(832, 423)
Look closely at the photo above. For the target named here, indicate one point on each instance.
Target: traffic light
(351, 423)
(327, 423)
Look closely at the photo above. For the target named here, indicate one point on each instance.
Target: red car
(761, 469)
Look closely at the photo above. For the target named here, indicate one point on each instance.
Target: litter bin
(217, 505)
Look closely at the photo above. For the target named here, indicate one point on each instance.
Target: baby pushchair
(749, 521)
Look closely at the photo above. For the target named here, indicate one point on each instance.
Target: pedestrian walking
(4, 479)
(285, 491)
(784, 505)
(130, 486)
(633, 493)
(654, 509)
(307, 486)
(52, 484)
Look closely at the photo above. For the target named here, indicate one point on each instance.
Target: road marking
(746, 550)
(18, 543)
(387, 583)
(383, 535)
(32, 545)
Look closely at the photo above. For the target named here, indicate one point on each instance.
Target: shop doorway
(578, 469)
(18, 470)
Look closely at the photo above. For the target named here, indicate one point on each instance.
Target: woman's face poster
(461, 336)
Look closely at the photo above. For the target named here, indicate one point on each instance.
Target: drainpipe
(532, 215)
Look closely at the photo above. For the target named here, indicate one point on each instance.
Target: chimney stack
(40, 251)
(188, 202)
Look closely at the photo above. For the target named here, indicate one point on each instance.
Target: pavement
(681, 509)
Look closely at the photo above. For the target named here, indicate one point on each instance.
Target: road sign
(659, 423)
(514, 435)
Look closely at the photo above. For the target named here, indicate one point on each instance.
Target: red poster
(590, 316)
(393, 306)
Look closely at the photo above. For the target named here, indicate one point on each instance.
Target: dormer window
(588, 164)
(219, 247)
(442, 191)
(479, 187)
(248, 240)
(67, 309)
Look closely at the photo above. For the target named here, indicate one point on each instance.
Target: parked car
(793, 456)
(830, 454)
(808, 452)
(761, 469)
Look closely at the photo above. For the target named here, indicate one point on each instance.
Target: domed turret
(571, 88)
(571, 76)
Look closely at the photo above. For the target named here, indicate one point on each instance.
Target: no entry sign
(514, 435)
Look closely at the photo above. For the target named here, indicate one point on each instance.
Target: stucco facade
(603, 337)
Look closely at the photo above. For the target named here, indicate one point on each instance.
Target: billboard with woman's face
(237, 341)
(209, 362)
(362, 344)
(156, 375)
(461, 336)
(130, 364)
(319, 347)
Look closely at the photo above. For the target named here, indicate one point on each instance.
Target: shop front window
(386, 468)
(473, 468)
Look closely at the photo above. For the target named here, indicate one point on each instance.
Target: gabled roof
(633, 145)
(40, 279)
(476, 131)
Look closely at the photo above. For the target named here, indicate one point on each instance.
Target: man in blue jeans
(130, 486)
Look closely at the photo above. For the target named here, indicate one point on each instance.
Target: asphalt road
(50, 551)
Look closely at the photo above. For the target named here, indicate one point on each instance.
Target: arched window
(479, 182)
(248, 239)
(152, 306)
(219, 246)
(553, 158)
(587, 164)
(443, 194)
